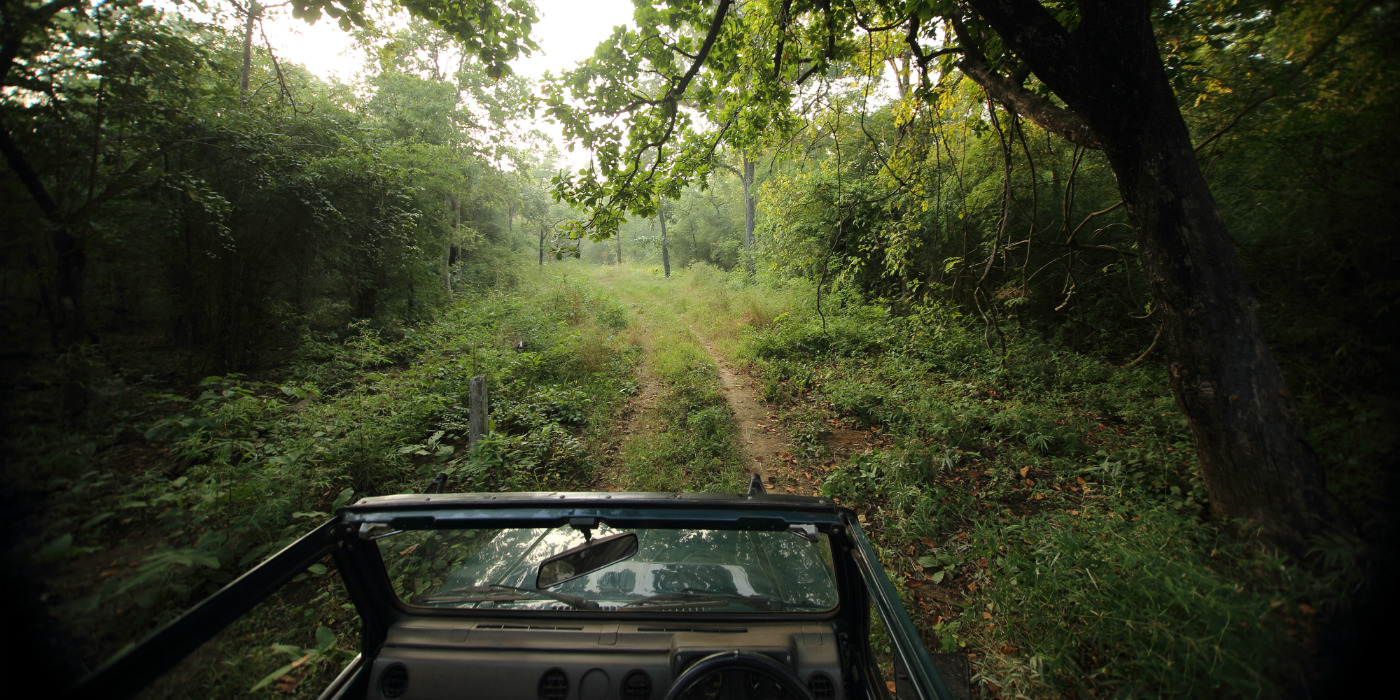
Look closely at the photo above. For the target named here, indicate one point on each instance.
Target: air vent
(554, 685)
(821, 686)
(393, 683)
(525, 627)
(711, 630)
(637, 686)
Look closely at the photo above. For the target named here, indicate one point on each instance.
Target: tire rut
(761, 437)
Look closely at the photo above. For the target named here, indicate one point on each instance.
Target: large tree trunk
(1109, 72)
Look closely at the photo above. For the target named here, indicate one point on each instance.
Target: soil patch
(761, 437)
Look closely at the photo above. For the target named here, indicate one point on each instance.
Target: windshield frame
(376, 517)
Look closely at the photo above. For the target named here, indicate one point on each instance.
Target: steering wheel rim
(739, 660)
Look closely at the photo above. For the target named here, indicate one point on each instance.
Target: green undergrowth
(690, 445)
(1045, 513)
(210, 482)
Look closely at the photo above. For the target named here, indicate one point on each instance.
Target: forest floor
(1039, 514)
(999, 503)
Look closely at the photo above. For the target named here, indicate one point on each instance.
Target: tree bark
(246, 72)
(665, 249)
(748, 215)
(1108, 71)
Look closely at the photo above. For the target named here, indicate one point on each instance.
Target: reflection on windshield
(715, 569)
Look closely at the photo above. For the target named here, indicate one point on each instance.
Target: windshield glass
(719, 570)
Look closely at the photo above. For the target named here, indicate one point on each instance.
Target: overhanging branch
(1046, 114)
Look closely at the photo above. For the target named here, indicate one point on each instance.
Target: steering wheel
(694, 678)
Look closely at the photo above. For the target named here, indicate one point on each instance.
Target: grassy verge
(183, 489)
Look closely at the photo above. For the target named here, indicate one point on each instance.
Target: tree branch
(1046, 114)
(16, 29)
(782, 37)
(679, 88)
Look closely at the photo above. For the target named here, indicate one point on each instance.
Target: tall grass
(246, 464)
(1053, 502)
(690, 446)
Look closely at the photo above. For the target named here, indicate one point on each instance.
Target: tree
(661, 214)
(1090, 72)
(746, 179)
(57, 75)
(1109, 73)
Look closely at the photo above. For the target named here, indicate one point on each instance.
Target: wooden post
(477, 410)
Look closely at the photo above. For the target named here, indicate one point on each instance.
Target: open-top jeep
(590, 596)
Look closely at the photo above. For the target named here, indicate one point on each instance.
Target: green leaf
(929, 561)
(57, 548)
(317, 569)
(325, 638)
(270, 678)
(343, 499)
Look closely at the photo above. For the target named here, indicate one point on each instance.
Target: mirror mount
(585, 526)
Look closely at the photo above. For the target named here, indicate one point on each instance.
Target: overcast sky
(567, 32)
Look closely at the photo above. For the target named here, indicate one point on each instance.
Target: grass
(1044, 515)
(687, 444)
(187, 487)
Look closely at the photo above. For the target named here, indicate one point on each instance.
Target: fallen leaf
(1079, 479)
(1010, 649)
(982, 562)
(929, 541)
(1306, 609)
(986, 616)
(1024, 471)
(890, 685)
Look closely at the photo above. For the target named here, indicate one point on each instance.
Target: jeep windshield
(662, 570)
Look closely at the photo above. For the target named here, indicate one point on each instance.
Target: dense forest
(1086, 307)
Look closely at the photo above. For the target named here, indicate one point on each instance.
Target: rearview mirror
(585, 559)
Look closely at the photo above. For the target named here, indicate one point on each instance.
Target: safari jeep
(589, 596)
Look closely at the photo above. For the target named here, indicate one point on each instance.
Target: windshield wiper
(493, 592)
(692, 597)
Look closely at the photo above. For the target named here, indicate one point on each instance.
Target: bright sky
(567, 32)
